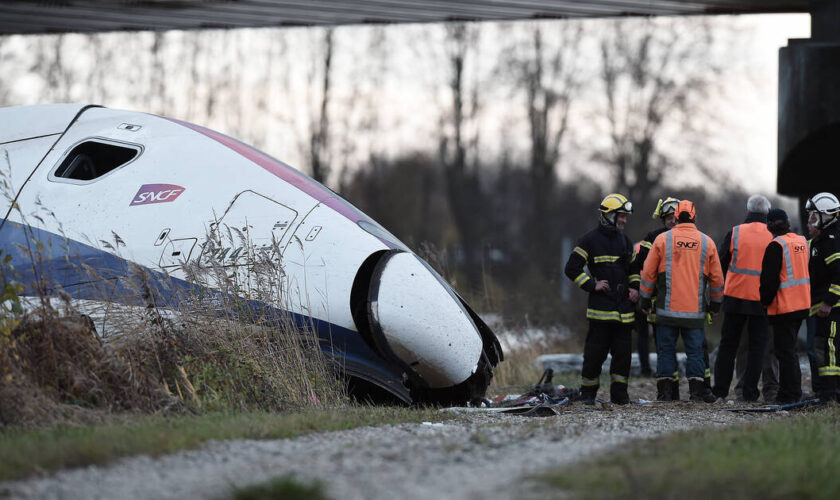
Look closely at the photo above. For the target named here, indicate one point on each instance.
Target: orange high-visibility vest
(795, 289)
(747, 249)
(683, 260)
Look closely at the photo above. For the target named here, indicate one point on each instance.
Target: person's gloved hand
(824, 310)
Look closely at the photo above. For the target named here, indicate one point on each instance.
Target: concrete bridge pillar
(809, 108)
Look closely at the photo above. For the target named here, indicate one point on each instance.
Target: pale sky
(747, 135)
(405, 94)
(754, 146)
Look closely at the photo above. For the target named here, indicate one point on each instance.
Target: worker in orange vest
(785, 290)
(680, 265)
(741, 254)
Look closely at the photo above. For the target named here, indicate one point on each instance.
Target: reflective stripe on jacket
(794, 292)
(638, 263)
(747, 249)
(680, 264)
(824, 270)
(606, 255)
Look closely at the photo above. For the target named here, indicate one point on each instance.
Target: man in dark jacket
(666, 213)
(607, 252)
(824, 269)
(786, 292)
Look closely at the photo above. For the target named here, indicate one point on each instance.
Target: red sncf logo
(800, 248)
(690, 245)
(156, 193)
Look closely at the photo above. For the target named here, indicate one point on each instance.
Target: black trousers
(790, 376)
(811, 325)
(828, 358)
(643, 340)
(707, 374)
(606, 337)
(733, 326)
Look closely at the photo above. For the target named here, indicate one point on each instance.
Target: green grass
(281, 488)
(29, 452)
(787, 458)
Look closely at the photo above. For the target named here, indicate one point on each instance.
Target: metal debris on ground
(773, 408)
(543, 399)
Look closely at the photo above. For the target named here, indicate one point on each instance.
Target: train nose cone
(422, 322)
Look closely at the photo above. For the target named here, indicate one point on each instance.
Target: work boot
(828, 389)
(675, 390)
(707, 387)
(618, 393)
(697, 392)
(587, 394)
(664, 386)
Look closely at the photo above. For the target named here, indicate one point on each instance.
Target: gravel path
(475, 455)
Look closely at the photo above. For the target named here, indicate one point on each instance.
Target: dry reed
(152, 343)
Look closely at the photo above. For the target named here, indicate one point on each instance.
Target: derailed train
(165, 187)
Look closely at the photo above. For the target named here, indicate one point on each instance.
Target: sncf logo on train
(156, 193)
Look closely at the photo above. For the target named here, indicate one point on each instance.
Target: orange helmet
(685, 211)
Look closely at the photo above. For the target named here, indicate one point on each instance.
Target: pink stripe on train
(297, 179)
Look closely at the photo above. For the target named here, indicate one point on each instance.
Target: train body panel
(116, 189)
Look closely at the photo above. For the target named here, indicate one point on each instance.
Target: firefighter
(811, 324)
(785, 290)
(640, 324)
(607, 252)
(824, 269)
(680, 264)
(666, 212)
(741, 254)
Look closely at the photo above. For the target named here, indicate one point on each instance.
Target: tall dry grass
(522, 346)
(150, 343)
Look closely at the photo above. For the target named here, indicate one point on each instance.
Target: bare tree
(360, 135)
(319, 122)
(192, 47)
(49, 62)
(5, 61)
(218, 78)
(545, 72)
(97, 86)
(656, 77)
(458, 147)
(157, 74)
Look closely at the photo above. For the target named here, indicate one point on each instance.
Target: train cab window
(91, 159)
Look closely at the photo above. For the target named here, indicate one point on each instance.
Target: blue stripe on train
(46, 263)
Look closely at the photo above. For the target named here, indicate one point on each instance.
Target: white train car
(109, 190)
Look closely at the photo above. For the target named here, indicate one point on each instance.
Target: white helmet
(826, 206)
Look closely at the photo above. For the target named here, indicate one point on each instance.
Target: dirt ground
(476, 454)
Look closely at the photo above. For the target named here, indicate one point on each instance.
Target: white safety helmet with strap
(826, 207)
